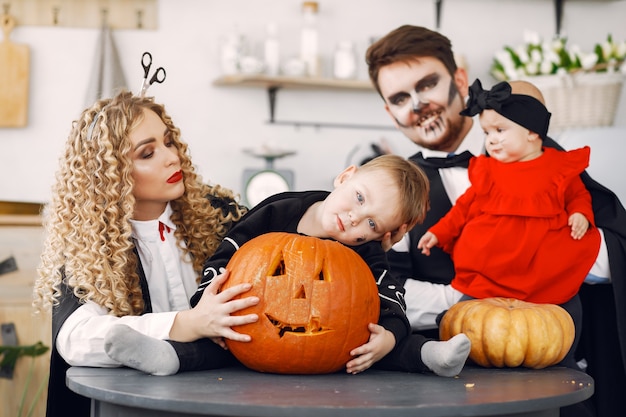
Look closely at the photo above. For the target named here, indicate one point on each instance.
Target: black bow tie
(460, 160)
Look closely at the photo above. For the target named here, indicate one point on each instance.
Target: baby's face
(505, 140)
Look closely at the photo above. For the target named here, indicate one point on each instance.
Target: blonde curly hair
(88, 243)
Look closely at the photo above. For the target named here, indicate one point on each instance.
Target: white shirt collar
(148, 229)
(474, 142)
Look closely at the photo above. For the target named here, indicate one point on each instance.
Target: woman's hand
(211, 317)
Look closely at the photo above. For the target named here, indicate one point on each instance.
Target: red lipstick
(177, 176)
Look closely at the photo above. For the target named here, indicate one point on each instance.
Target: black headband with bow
(524, 110)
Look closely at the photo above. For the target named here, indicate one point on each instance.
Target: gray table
(241, 392)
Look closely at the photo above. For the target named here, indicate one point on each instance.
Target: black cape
(603, 336)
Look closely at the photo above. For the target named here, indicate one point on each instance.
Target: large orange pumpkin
(506, 332)
(316, 299)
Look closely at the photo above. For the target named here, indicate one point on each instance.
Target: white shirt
(455, 180)
(171, 283)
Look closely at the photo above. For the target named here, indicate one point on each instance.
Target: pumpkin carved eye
(280, 268)
(317, 297)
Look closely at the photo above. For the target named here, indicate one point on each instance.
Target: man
(415, 72)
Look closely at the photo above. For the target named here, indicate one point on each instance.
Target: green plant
(10, 355)
(538, 57)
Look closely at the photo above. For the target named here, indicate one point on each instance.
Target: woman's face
(156, 167)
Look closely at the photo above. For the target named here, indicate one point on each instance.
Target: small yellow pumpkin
(506, 332)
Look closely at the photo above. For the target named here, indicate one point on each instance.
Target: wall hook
(139, 19)
(55, 15)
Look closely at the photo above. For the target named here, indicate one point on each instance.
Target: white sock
(446, 358)
(136, 350)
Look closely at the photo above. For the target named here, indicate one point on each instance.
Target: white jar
(272, 51)
(309, 47)
(344, 61)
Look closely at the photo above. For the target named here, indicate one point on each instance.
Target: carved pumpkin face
(316, 300)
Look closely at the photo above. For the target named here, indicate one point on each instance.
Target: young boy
(367, 204)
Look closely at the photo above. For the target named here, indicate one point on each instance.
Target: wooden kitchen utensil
(14, 77)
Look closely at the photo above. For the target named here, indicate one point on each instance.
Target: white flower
(561, 71)
(620, 50)
(588, 61)
(522, 54)
(607, 50)
(546, 67)
(531, 37)
(551, 57)
(536, 56)
(505, 58)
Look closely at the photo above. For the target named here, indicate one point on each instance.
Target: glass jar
(344, 61)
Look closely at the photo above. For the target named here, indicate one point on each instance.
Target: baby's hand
(579, 224)
(426, 242)
(380, 343)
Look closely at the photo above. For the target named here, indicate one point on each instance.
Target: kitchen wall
(219, 122)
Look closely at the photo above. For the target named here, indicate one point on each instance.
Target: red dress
(508, 234)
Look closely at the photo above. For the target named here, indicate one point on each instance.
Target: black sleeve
(390, 291)
(257, 221)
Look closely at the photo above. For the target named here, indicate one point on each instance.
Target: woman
(129, 225)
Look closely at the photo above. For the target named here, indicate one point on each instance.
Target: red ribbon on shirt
(163, 227)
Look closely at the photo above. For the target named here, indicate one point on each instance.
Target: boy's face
(424, 101)
(362, 207)
(507, 141)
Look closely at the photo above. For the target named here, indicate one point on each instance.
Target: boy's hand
(579, 224)
(391, 238)
(426, 242)
(380, 343)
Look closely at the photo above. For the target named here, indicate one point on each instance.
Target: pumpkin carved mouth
(313, 326)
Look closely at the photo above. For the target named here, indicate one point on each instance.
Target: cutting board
(14, 77)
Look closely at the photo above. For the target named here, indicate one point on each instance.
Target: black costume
(282, 213)
(61, 401)
(603, 337)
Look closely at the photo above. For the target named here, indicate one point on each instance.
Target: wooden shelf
(273, 84)
(259, 80)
